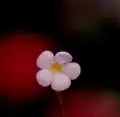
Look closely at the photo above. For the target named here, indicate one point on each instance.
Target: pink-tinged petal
(73, 70)
(44, 77)
(60, 82)
(63, 57)
(45, 59)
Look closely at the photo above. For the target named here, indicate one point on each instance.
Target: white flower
(57, 71)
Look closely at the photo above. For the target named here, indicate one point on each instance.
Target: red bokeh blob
(18, 54)
(83, 103)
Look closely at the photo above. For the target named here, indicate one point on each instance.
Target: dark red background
(18, 65)
(23, 95)
(95, 93)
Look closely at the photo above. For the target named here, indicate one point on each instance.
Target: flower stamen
(56, 67)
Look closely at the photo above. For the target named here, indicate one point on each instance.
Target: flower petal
(63, 57)
(73, 70)
(60, 82)
(45, 59)
(44, 77)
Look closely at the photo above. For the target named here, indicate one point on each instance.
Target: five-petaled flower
(57, 71)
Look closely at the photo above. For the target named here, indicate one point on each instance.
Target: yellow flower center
(56, 67)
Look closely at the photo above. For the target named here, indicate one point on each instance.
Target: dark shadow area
(96, 51)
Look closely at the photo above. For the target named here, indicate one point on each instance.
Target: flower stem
(61, 103)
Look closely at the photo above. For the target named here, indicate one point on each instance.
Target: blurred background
(88, 29)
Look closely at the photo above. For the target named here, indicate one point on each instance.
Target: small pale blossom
(57, 71)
